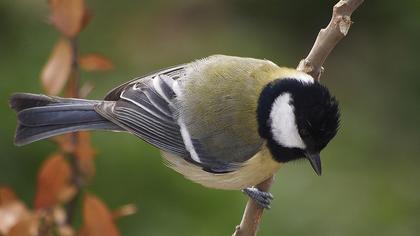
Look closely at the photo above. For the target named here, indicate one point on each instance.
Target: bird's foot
(263, 199)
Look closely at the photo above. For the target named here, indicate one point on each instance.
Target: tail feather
(58, 115)
(41, 117)
(21, 101)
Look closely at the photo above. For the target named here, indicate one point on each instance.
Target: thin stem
(73, 84)
(73, 91)
(78, 182)
(329, 37)
(253, 213)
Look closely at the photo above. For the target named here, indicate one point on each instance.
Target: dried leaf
(86, 89)
(83, 151)
(26, 227)
(125, 210)
(97, 219)
(65, 230)
(95, 62)
(11, 209)
(85, 154)
(7, 195)
(59, 219)
(56, 72)
(59, 215)
(65, 142)
(87, 17)
(10, 214)
(67, 16)
(82, 231)
(54, 183)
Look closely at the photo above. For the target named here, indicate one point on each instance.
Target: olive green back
(219, 101)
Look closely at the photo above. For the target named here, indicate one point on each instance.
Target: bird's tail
(41, 116)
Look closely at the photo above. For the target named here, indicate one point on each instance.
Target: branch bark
(73, 91)
(253, 213)
(328, 37)
(325, 42)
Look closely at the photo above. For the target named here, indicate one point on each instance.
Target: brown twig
(73, 91)
(328, 37)
(252, 213)
(326, 40)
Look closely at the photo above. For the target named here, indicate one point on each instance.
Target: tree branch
(325, 42)
(252, 213)
(329, 37)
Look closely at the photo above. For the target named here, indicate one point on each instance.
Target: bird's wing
(174, 72)
(194, 112)
(143, 109)
(146, 107)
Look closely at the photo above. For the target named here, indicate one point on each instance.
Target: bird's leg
(263, 199)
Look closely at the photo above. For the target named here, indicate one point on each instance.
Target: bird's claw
(263, 199)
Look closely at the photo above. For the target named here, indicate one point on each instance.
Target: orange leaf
(86, 88)
(85, 154)
(65, 142)
(7, 195)
(123, 211)
(67, 16)
(87, 17)
(59, 219)
(26, 227)
(55, 73)
(59, 215)
(95, 62)
(11, 214)
(65, 230)
(54, 183)
(97, 219)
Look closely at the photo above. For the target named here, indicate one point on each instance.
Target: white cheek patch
(283, 123)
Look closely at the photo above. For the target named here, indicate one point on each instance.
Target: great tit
(224, 122)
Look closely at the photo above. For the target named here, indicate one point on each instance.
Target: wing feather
(165, 110)
(145, 107)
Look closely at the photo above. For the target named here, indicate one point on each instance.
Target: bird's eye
(304, 132)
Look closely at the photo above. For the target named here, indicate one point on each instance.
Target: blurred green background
(372, 168)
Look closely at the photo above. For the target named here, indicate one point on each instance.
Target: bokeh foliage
(371, 177)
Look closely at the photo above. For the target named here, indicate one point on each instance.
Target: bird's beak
(315, 161)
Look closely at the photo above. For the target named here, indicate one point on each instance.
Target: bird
(224, 122)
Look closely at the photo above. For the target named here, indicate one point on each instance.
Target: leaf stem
(73, 91)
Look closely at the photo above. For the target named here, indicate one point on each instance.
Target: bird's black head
(297, 117)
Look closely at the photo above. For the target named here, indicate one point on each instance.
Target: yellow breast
(254, 171)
